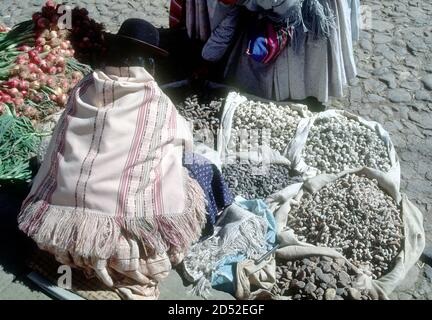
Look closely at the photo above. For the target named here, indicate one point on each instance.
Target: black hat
(141, 33)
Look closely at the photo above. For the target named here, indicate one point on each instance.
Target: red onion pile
(36, 76)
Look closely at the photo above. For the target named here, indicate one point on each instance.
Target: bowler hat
(141, 33)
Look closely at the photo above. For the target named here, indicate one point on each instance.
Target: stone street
(394, 87)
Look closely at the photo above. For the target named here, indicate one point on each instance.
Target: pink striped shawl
(114, 169)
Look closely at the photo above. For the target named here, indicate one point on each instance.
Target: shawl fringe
(318, 18)
(93, 235)
(310, 17)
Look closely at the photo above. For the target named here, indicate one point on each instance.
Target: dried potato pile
(338, 144)
(354, 216)
(204, 110)
(274, 125)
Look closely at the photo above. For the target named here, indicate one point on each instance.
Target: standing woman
(283, 49)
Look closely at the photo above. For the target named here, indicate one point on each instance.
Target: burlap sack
(233, 101)
(292, 249)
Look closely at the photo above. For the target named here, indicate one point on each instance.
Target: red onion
(42, 23)
(32, 77)
(62, 100)
(32, 54)
(32, 67)
(60, 61)
(51, 82)
(37, 60)
(13, 83)
(7, 98)
(18, 102)
(21, 60)
(24, 48)
(64, 45)
(65, 85)
(35, 85)
(36, 16)
(51, 4)
(13, 92)
(50, 57)
(52, 70)
(40, 42)
(23, 85)
(43, 78)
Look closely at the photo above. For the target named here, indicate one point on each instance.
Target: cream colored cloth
(112, 190)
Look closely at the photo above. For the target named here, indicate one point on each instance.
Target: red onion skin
(19, 102)
(42, 23)
(13, 92)
(13, 83)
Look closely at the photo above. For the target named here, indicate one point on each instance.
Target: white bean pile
(335, 145)
(275, 125)
(354, 216)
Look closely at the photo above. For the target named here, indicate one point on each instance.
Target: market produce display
(273, 124)
(256, 182)
(354, 216)
(317, 278)
(38, 70)
(338, 144)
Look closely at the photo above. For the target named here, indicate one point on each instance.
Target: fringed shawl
(313, 17)
(114, 167)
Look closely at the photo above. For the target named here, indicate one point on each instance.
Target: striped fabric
(176, 13)
(114, 171)
(198, 20)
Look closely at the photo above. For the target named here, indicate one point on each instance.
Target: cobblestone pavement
(110, 13)
(393, 87)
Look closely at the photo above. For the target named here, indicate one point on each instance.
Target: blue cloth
(257, 48)
(210, 179)
(223, 278)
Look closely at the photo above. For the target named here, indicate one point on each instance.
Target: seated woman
(113, 196)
